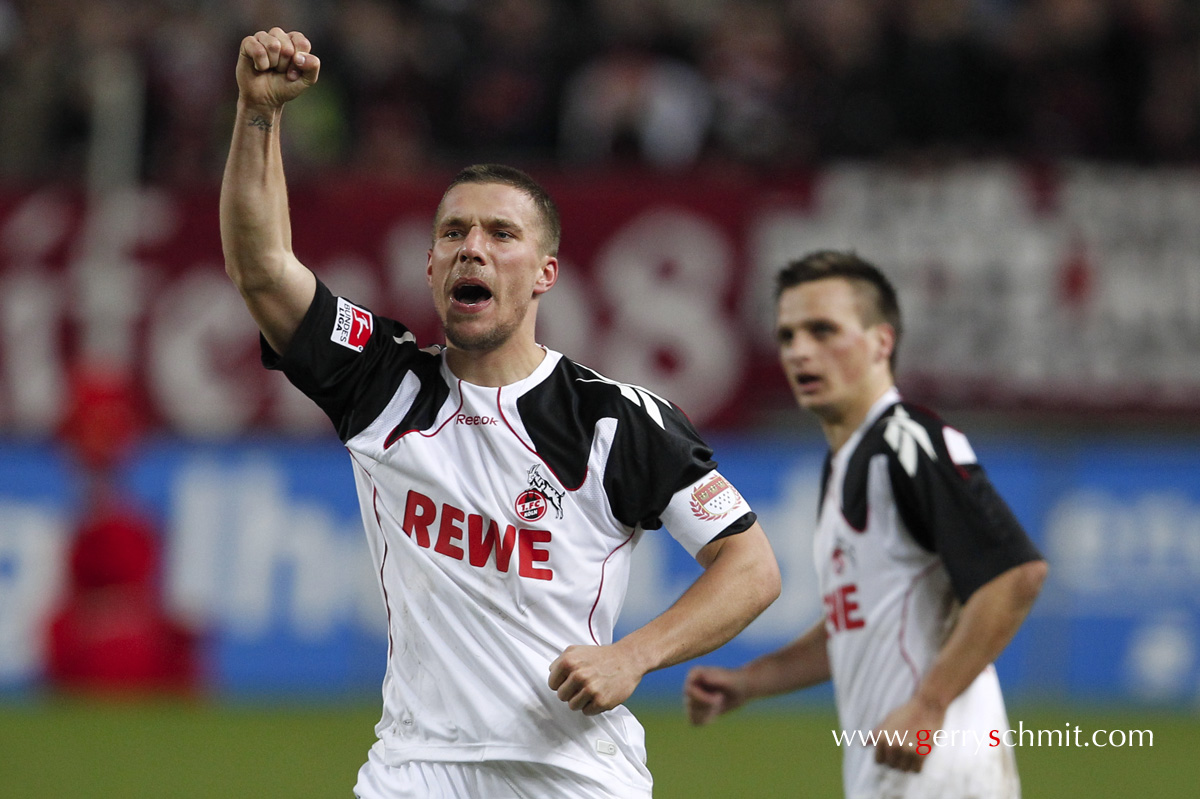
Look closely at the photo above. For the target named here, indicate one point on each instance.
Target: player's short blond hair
(511, 176)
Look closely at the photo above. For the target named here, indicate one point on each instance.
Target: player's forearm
(255, 229)
(801, 664)
(739, 583)
(986, 624)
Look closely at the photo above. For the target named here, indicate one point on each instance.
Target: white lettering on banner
(244, 553)
(1096, 287)
(1098, 293)
(31, 310)
(665, 275)
(110, 285)
(33, 542)
(198, 321)
(1117, 550)
(30, 305)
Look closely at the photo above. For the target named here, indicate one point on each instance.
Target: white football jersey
(909, 527)
(502, 523)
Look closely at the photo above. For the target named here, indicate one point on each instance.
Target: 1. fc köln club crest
(713, 499)
(532, 503)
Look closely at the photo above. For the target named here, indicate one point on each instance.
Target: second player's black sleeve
(352, 381)
(956, 511)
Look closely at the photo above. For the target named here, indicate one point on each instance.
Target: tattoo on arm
(262, 124)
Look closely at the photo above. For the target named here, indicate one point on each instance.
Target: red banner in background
(652, 292)
(1084, 295)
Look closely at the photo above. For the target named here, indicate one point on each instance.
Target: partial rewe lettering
(841, 609)
(484, 542)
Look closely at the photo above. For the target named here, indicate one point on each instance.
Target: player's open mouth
(807, 382)
(470, 292)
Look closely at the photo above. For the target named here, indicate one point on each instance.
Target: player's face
(487, 264)
(836, 366)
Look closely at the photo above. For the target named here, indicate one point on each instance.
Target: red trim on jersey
(387, 605)
(600, 588)
(500, 410)
(904, 622)
(393, 438)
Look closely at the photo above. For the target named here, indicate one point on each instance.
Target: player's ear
(429, 267)
(547, 276)
(885, 342)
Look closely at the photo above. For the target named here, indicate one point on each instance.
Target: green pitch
(132, 750)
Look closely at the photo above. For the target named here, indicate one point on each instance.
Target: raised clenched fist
(274, 67)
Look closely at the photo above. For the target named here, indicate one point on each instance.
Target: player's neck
(510, 363)
(840, 424)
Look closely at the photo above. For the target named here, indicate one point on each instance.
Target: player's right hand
(710, 691)
(274, 67)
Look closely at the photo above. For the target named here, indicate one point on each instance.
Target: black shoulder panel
(429, 400)
(648, 463)
(352, 386)
(951, 509)
(854, 487)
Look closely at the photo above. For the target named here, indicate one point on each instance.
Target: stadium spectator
(111, 633)
(668, 84)
(925, 573)
(638, 100)
(502, 676)
(748, 61)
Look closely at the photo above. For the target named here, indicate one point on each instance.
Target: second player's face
(835, 366)
(487, 264)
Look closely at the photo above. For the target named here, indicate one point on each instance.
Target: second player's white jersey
(502, 522)
(909, 527)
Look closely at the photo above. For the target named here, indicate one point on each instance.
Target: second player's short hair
(877, 296)
(511, 176)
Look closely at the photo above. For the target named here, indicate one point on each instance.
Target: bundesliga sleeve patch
(352, 326)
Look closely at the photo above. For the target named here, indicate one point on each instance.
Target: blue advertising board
(263, 553)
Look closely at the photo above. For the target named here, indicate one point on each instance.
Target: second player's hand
(274, 67)
(710, 691)
(905, 723)
(593, 679)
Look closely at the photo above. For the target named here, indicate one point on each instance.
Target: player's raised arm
(740, 579)
(273, 68)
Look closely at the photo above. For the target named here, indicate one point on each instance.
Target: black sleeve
(650, 463)
(347, 360)
(955, 510)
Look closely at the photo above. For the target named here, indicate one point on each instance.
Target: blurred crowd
(669, 84)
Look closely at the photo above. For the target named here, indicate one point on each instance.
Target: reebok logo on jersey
(462, 418)
(714, 498)
(352, 326)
